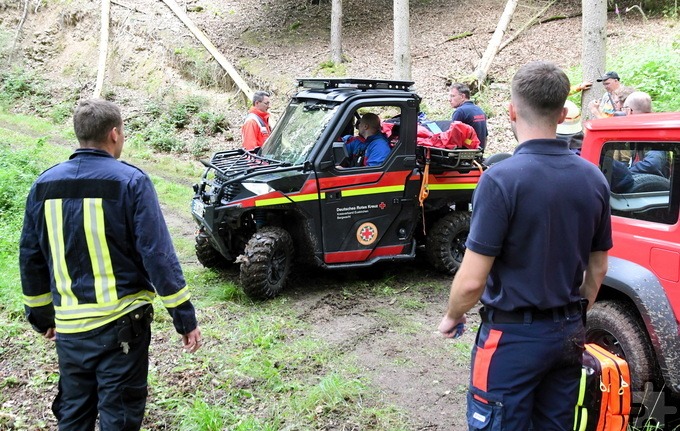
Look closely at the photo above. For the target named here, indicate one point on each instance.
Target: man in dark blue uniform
(467, 112)
(94, 252)
(538, 244)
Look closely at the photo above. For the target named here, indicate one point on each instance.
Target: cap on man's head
(572, 123)
(609, 75)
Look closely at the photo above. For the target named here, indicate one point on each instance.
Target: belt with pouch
(570, 311)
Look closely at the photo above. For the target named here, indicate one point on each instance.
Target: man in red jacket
(256, 129)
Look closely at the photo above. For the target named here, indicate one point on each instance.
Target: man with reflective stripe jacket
(94, 252)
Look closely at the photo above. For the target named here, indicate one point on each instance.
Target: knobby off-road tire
(207, 255)
(266, 262)
(445, 243)
(615, 326)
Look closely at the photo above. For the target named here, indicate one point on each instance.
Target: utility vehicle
(295, 201)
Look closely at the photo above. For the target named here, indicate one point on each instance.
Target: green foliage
(330, 68)
(649, 67)
(17, 85)
(199, 66)
(18, 169)
(653, 69)
(210, 123)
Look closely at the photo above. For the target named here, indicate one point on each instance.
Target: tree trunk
(495, 42)
(221, 59)
(103, 48)
(594, 33)
(336, 31)
(402, 44)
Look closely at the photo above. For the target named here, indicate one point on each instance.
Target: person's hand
(585, 85)
(452, 328)
(50, 334)
(192, 340)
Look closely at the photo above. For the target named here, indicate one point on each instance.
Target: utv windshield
(297, 131)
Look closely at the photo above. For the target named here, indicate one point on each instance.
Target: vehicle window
(298, 130)
(370, 147)
(644, 178)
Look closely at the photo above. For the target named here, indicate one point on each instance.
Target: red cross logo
(367, 233)
(382, 205)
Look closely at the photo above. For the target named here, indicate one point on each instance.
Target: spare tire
(649, 183)
(495, 158)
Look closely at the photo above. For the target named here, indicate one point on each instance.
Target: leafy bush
(653, 69)
(210, 123)
(18, 170)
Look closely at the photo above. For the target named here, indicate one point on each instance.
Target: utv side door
(369, 212)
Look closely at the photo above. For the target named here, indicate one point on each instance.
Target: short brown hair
(371, 120)
(541, 88)
(93, 119)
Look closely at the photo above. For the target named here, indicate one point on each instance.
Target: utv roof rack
(361, 84)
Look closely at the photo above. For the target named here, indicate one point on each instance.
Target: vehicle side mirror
(340, 154)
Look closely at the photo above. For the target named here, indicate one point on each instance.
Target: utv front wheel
(615, 326)
(266, 262)
(445, 243)
(207, 255)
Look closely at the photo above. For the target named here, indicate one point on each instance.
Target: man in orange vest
(256, 129)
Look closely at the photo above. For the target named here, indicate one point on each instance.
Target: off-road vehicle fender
(629, 280)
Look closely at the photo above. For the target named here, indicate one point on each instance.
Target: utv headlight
(257, 188)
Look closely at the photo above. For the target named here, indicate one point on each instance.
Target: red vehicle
(638, 308)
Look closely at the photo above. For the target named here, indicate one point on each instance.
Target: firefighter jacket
(95, 246)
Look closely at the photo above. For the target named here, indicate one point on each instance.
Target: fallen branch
(479, 75)
(242, 85)
(18, 33)
(126, 6)
(459, 36)
(559, 17)
(525, 26)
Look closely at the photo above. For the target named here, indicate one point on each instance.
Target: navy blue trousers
(97, 377)
(526, 375)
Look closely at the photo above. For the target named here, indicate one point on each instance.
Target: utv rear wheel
(615, 326)
(207, 255)
(445, 244)
(266, 262)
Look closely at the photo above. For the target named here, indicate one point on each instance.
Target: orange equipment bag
(604, 396)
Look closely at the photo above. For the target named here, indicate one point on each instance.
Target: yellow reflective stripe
(289, 199)
(99, 310)
(462, 186)
(172, 301)
(82, 325)
(55, 233)
(582, 388)
(372, 190)
(98, 248)
(581, 420)
(38, 300)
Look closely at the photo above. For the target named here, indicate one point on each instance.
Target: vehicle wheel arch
(629, 282)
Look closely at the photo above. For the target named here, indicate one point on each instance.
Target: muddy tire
(615, 326)
(445, 243)
(207, 255)
(266, 262)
